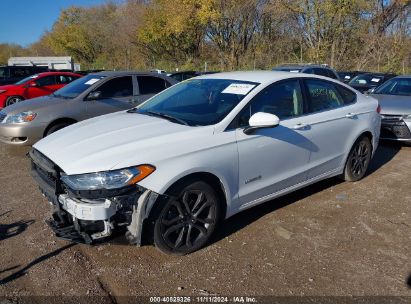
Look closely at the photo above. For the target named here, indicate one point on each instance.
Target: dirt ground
(331, 239)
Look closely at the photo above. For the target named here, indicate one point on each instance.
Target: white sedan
(201, 151)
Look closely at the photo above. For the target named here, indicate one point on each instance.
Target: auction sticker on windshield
(238, 88)
(92, 81)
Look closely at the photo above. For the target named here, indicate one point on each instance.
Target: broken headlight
(108, 179)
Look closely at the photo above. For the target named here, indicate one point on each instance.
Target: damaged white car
(170, 169)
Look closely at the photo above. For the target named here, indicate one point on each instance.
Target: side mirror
(261, 120)
(94, 95)
(33, 84)
(370, 91)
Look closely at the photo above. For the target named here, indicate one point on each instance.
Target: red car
(34, 86)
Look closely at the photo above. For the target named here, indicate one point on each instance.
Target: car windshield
(289, 69)
(367, 79)
(396, 86)
(197, 102)
(23, 81)
(75, 88)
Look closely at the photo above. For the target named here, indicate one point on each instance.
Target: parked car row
(96, 94)
(366, 82)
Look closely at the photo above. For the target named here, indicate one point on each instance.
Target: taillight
(379, 109)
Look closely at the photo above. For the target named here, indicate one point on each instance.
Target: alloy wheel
(359, 159)
(188, 220)
(13, 100)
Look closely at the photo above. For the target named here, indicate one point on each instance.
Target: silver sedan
(394, 97)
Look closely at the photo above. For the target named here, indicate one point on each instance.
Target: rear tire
(358, 160)
(56, 127)
(187, 219)
(13, 99)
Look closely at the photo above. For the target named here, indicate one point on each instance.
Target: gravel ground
(331, 239)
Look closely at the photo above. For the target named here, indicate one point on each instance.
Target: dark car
(180, 76)
(368, 81)
(184, 75)
(317, 69)
(12, 74)
(346, 76)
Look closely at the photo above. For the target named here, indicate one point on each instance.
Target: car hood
(119, 139)
(32, 104)
(394, 104)
(9, 87)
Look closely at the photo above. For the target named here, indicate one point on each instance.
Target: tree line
(226, 35)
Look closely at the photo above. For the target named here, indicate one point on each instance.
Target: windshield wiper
(168, 117)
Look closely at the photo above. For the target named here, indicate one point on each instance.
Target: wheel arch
(59, 121)
(369, 135)
(366, 133)
(210, 178)
(13, 95)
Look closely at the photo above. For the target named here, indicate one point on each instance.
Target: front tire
(187, 219)
(56, 127)
(358, 160)
(13, 99)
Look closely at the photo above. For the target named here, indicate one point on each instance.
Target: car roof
(403, 76)
(57, 73)
(302, 66)
(259, 76)
(376, 74)
(120, 73)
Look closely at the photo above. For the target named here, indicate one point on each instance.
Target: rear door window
(323, 95)
(151, 84)
(117, 87)
(64, 79)
(46, 81)
(347, 95)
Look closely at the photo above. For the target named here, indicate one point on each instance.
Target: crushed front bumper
(90, 220)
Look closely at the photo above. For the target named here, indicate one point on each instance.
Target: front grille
(47, 175)
(395, 130)
(2, 116)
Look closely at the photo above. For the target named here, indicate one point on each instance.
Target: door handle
(301, 126)
(350, 115)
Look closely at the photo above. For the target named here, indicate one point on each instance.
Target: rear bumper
(21, 134)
